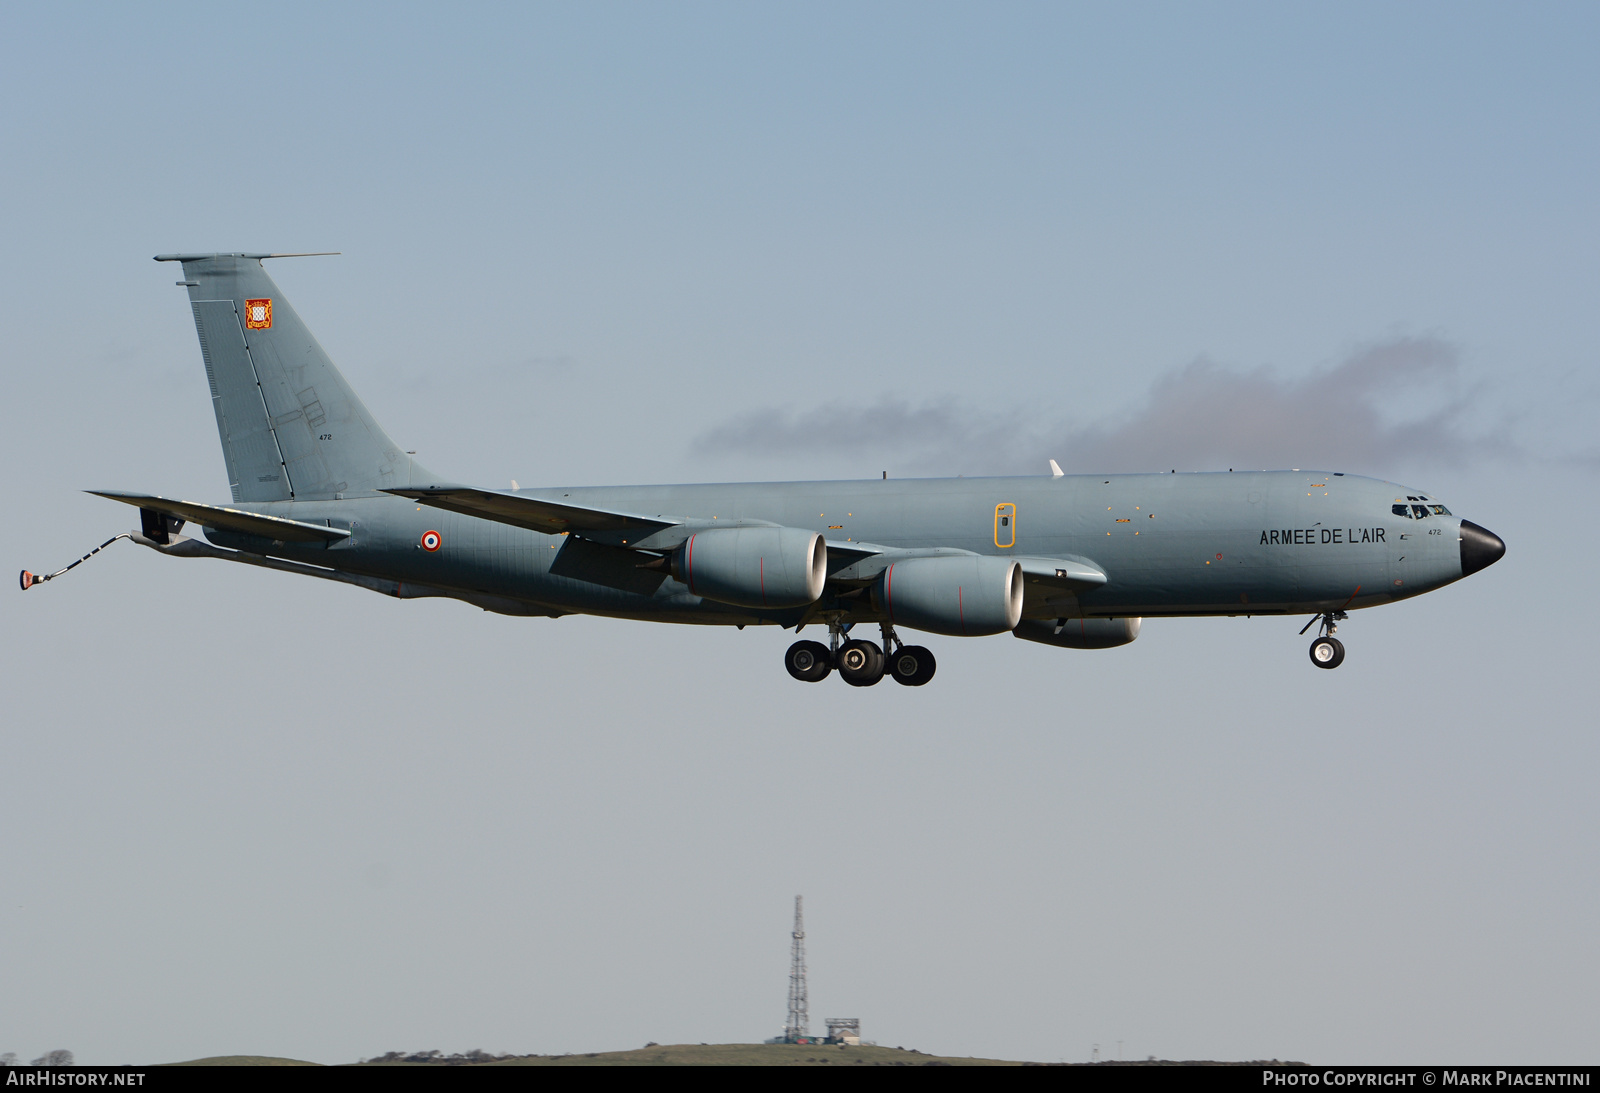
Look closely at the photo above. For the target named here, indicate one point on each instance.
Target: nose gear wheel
(1327, 651)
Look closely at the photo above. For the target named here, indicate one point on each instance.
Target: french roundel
(431, 541)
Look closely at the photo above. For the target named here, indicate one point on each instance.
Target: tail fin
(291, 427)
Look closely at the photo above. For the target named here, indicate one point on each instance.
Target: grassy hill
(713, 1055)
(244, 1060)
(737, 1055)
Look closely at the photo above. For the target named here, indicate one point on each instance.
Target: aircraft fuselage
(1228, 543)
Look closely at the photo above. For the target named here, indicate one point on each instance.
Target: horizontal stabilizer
(246, 523)
(533, 513)
(206, 256)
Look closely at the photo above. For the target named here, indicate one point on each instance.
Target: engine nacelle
(754, 567)
(1080, 633)
(963, 595)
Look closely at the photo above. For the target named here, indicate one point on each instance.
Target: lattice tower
(798, 1026)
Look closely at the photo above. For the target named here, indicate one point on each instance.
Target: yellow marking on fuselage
(1007, 511)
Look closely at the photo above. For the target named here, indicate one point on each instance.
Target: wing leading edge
(534, 513)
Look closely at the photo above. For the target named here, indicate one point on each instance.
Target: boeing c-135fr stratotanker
(1076, 561)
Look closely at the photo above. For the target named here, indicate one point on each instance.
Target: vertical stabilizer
(291, 427)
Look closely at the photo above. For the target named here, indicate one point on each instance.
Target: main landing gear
(1327, 651)
(808, 661)
(860, 663)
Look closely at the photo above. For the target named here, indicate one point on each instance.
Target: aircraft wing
(246, 523)
(554, 517)
(1062, 574)
(841, 555)
(1050, 586)
(533, 513)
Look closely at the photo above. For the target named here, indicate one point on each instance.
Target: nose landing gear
(1327, 651)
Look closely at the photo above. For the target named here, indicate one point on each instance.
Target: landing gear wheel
(860, 663)
(808, 661)
(912, 665)
(1327, 652)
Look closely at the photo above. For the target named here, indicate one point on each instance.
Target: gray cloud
(891, 427)
(1398, 402)
(1395, 403)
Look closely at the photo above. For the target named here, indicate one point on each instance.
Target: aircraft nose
(1480, 548)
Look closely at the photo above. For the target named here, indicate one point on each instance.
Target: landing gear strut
(1327, 651)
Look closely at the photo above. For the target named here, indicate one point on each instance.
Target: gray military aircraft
(1075, 561)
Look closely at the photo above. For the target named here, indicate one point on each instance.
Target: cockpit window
(1417, 511)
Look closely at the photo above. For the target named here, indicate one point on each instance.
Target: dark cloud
(1397, 403)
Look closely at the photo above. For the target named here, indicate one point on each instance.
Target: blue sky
(588, 244)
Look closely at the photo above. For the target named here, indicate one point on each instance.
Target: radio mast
(799, 1018)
